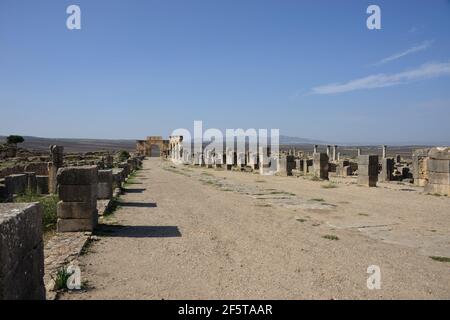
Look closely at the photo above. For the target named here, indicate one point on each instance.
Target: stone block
(77, 193)
(320, 165)
(441, 189)
(439, 153)
(77, 225)
(285, 165)
(78, 175)
(16, 183)
(39, 168)
(76, 210)
(370, 181)
(435, 165)
(387, 169)
(368, 160)
(439, 178)
(347, 171)
(42, 185)
(21, 252)
(31, 182)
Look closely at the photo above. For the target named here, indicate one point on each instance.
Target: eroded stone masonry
(82, 183)
(429, 168)
(85, 185)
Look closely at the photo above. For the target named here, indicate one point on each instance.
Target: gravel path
(178, 236)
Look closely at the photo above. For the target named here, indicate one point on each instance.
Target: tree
(14, 139)
(124, 155)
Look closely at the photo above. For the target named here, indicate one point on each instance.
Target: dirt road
(192, 233)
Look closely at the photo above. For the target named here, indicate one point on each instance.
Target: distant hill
(286, 140)
(76, 145)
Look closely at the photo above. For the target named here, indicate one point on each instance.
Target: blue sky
(310, 68)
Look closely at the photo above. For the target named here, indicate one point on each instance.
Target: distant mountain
(75, 145)
(286, 140)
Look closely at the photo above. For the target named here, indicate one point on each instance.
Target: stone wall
(438, 165)
(21, 252)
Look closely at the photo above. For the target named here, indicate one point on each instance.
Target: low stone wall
(21, 252)
(16, 183)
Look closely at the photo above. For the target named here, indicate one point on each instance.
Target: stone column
(329, 152)
(368, 170)
(334, 153)
(57, 159)
(253, 160)
(21, 252)
(387, 169)
(230, 159)
(241, 159)
(285, 165)
(77, 190)
(359, 151)
(419, 167)
(320, 164)
(31, 182)
(384, 152)
(315, 148)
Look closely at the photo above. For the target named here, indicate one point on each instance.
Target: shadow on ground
(135, 190)
(121, 231)
(138, 204)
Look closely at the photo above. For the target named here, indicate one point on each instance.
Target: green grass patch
(318, 199)
(440, 259)
(300, 220)
(61, 278)
(49, 205)
(330, 185)
(330, 237)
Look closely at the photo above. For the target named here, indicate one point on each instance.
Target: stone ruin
(438, 165)
(21, 252)
(369, 169)
(153, 146)
(80, 187)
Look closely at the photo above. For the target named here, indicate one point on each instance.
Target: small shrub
(330, 237)
(124, 155)
(49, 205)
(440, 259)
(330, 185)
(61, 278)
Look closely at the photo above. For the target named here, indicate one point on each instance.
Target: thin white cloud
(426, 71)
(423, 46)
